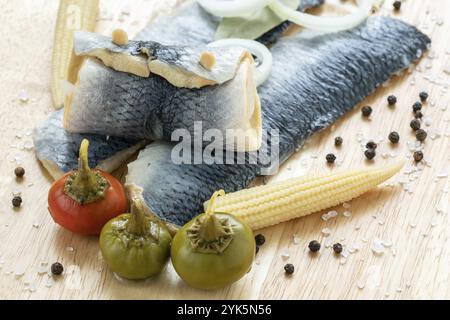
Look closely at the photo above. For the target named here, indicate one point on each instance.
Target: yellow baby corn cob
(73, 15)
(267, 205)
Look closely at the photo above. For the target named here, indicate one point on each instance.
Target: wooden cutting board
(416, 261)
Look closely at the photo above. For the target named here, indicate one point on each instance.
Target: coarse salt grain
(377, 247)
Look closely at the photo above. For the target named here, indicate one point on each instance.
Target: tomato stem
(138, 223)
(85, 185)
(210, 234)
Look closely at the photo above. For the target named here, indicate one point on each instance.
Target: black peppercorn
(57, 268)
(17, 201)
(423, 96)
(331, 158)
(418, 115)
(371, 145)
(314, 246)
(337, 248)
(370, 154)
(415, 124)
(418, 156)
(366, 111)
(392, 100)
(417, 106)
(397, 5)
(338, 141)
(421, 135)
(289, 268)
(257, 250)
(394, 137)
(19, 172)
(260, 239)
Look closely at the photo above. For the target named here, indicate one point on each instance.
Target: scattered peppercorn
(397, 5)
(289, 268)
(370, 154)
(418, 156)
(314, 246)
(371, 145)
(17, 201)
(19, 172)
(331, 158)
(337, 248)
(392, 100)
(423, 96)
(417, 106)
(260, 239)
(57, 268)
(366, 111)
(421, 135)
(418, 115)
(394, 137)
(338, 141)
(415, 124)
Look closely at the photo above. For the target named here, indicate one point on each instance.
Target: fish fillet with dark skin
(315, 80)
(58, 150)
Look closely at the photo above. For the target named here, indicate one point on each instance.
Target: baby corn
(73, 15)
(267, 205)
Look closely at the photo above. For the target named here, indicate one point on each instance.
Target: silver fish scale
(314, 81)
(53, 143)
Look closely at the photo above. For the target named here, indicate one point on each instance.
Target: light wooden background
(417, 265)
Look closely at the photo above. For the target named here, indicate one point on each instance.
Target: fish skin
(119, 104)
(58, 150)
(327, 75)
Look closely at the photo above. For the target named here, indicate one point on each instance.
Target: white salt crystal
(49, 283)
(377, 247)
(347, 214)
(326, 231)
(387, 243)
(332, 214)
(285, 255)
(328, 243)
(23, 96)
(28, 145)
(19, 271)
(296, 239)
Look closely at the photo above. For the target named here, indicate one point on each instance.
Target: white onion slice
(233, 8)
(325, 23)
(257, 49)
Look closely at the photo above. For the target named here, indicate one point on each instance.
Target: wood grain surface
(404, 213)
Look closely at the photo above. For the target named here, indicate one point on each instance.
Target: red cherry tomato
(89, 218)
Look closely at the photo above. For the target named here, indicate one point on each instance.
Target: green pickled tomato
(135, 250)
(213, 270)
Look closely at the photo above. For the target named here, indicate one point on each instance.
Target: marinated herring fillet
(316, 78)
(198, 29)
(58, 150)
(179, 65)
(119, 104)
